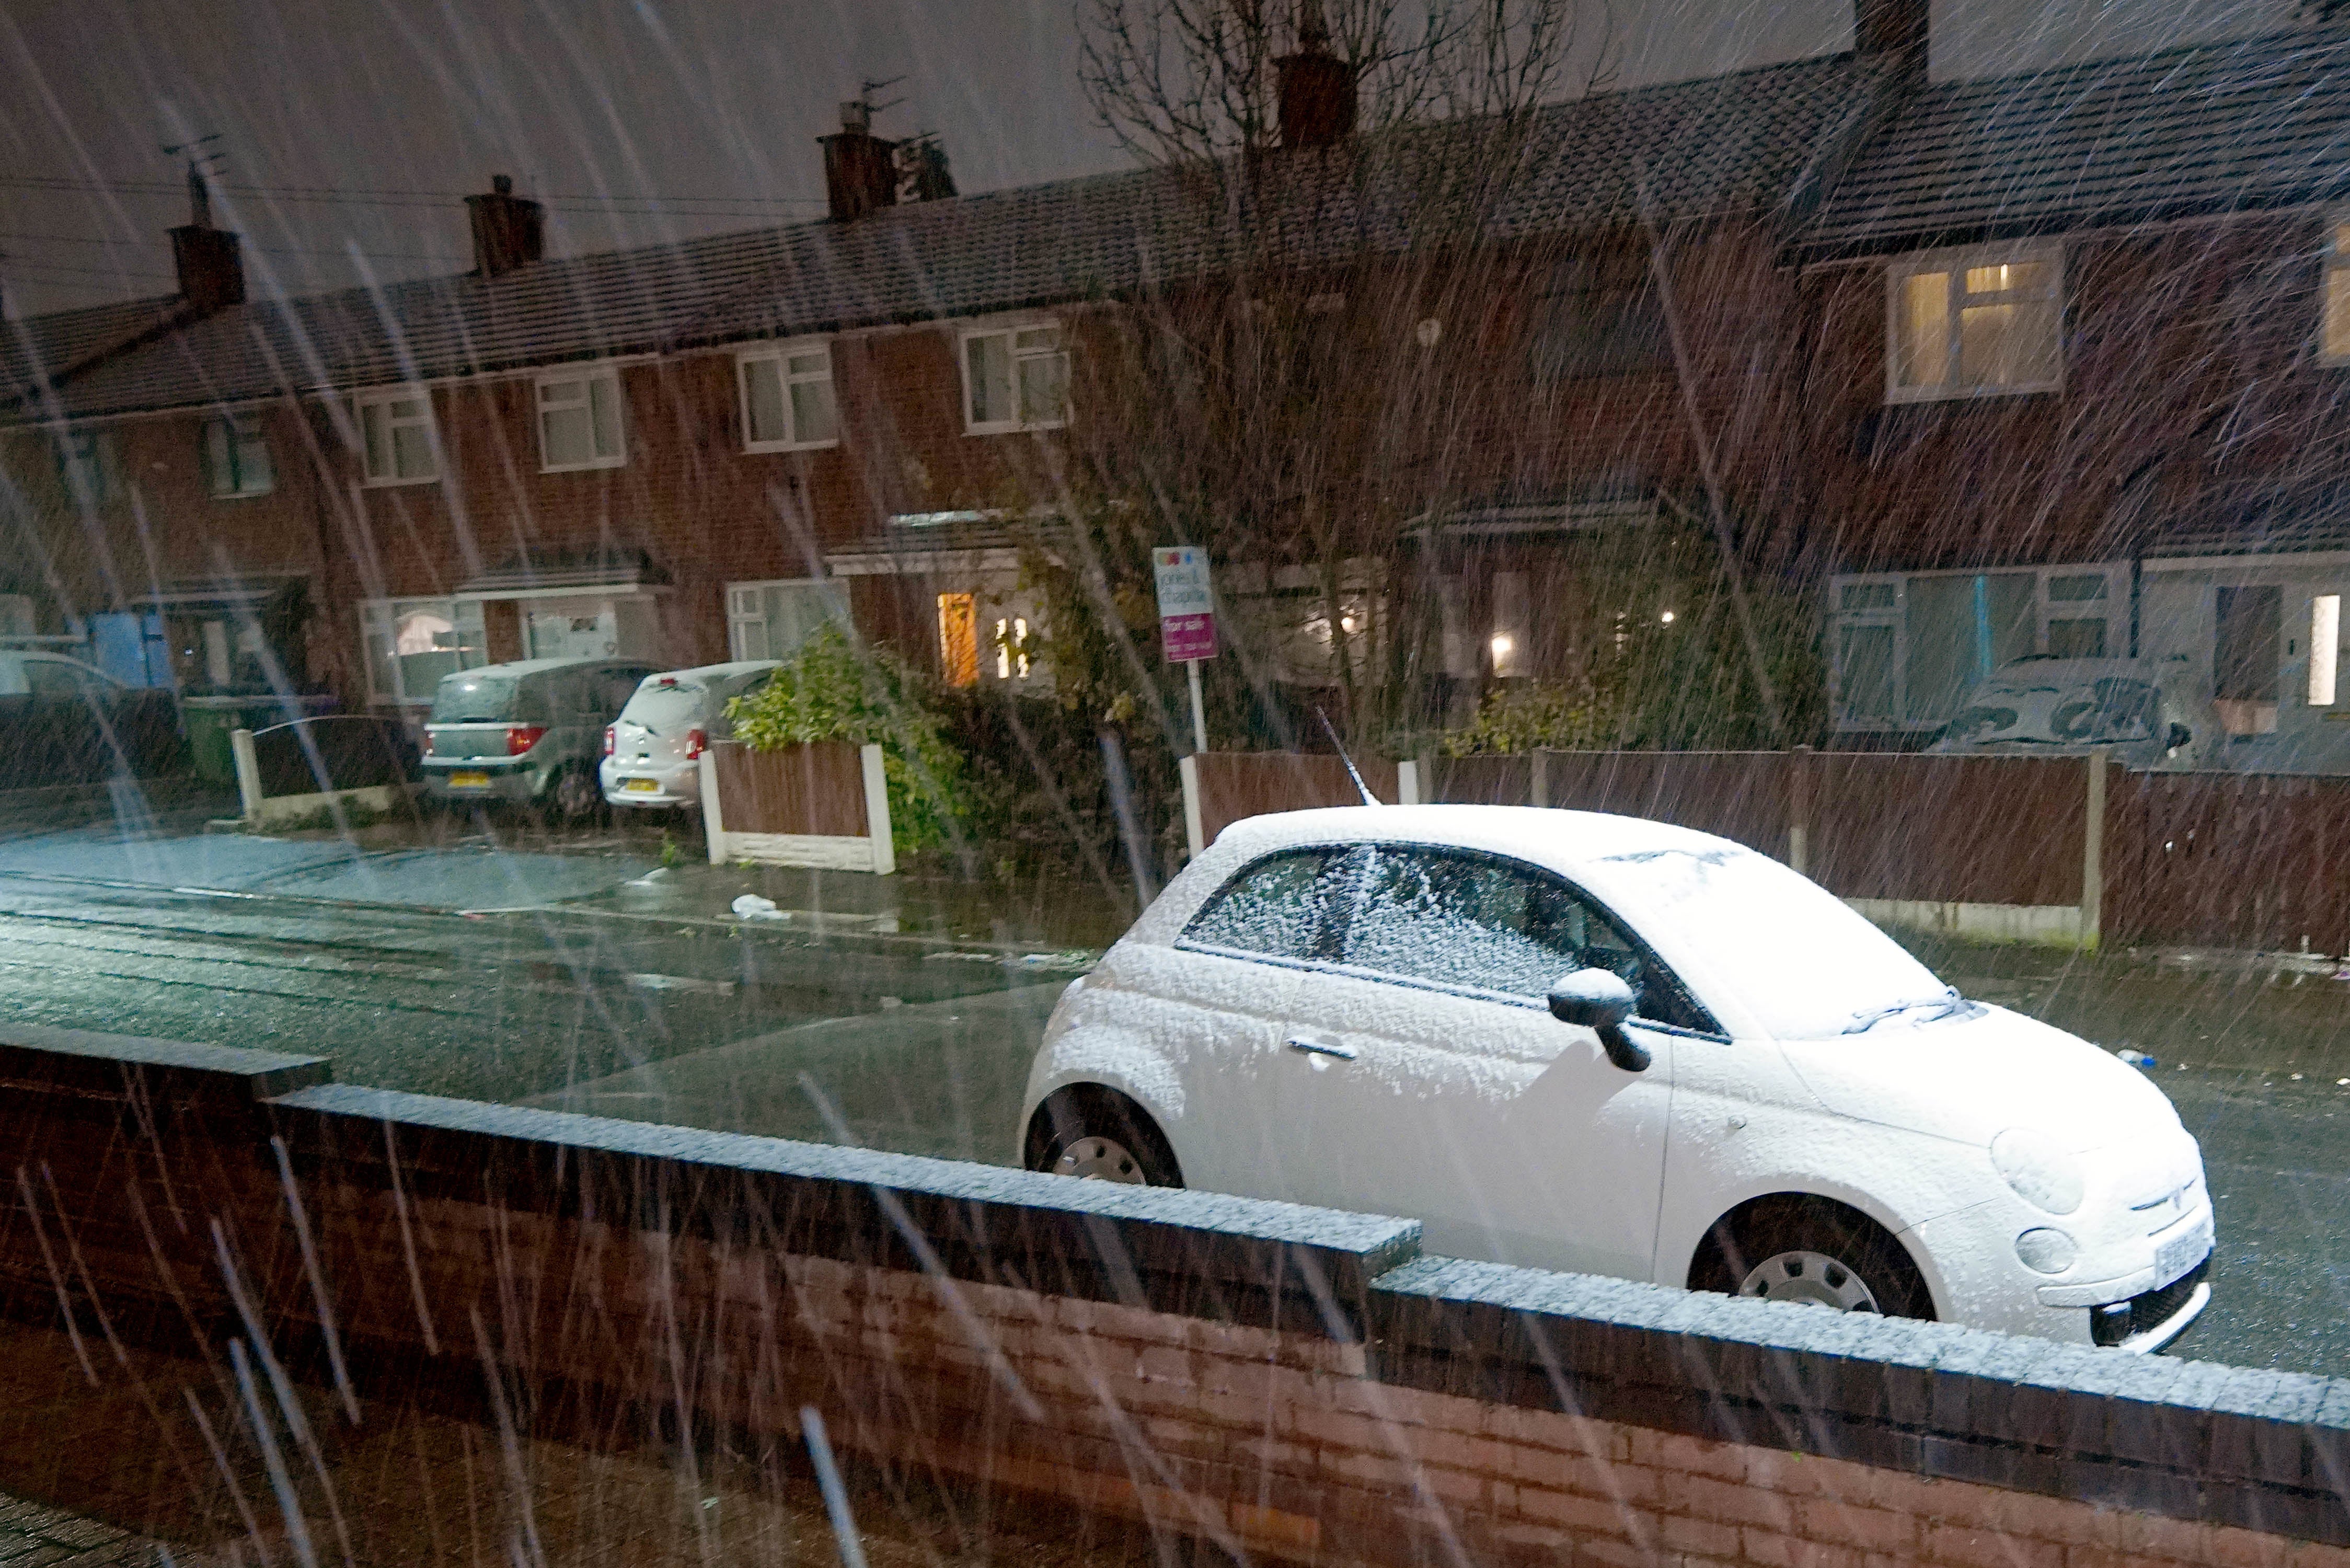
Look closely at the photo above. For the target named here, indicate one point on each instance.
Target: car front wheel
(1812, 1251)
(1097, 1134)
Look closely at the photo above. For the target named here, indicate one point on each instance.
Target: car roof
(707, 673)
(525, 667)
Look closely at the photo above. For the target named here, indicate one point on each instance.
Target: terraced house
(2033, 364)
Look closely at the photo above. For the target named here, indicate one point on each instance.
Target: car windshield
(474, 698)
(664, 706)
(1797, 958)
(2052, 712)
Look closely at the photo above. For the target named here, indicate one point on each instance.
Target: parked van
(652, 753)
(525, 733)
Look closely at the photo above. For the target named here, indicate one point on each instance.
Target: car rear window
(660, 708)
(1280, 907)
(474, 698)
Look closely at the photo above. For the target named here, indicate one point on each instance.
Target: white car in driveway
(652, 751)
(1600, 1044)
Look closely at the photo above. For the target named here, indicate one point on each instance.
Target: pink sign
(1187, 637)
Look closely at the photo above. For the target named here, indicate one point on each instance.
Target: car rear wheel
(1812, 1251)
(574, 796)
(1097, 1134)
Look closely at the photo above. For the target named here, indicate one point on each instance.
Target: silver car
(652, 753)
(525, 734)
(2148, 713)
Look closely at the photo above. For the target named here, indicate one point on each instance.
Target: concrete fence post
(2093, 851)
(1799, 810)
(1192, 834)
(1407, 781)
(877, 811)
(713, 819)
(248, 774)
(1538, 791)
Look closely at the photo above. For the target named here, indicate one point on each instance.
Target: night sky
(363, 124)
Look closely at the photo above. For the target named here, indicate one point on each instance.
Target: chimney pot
(1893, 30)
(509, 230)
(857, 115)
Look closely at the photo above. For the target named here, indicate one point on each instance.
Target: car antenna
(1352, 771)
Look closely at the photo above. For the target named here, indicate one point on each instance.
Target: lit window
(409, 644)
(2333, 327)
(236, 457)
(2324, 648)
(397, 443)
(1970, 325)
(787, 399)
(1011, 648)
(1015, 379)
(580, 421)
(959, 640)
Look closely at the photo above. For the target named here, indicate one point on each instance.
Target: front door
(1438, 1086)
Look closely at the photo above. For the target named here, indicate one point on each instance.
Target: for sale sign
(1187, 612)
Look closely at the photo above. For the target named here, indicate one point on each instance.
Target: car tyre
(573, 796)
(1092, 1132)
(1795, 1248)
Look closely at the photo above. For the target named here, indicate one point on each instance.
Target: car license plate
(469, 781)
(2182, 1252)
(641, 786)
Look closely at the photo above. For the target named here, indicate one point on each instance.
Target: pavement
(902, 1011)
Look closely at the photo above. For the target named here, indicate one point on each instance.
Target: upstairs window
(88, 468)
(787, 399)
(397, 440)
(1597, 315)
(1975, 323)
(580, 421)
(236, 458)
(1015, 379)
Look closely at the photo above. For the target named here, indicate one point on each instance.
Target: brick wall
(1271, 1380)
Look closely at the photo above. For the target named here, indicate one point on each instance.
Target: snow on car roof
(1573, 842)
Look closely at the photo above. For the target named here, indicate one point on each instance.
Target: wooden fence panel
(2229, 860)
(811, 790)
(1958, 830)
(1484, 781)
(1237, 784)
(1736, 795)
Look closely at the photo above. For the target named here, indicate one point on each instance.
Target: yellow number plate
(642, 786)
(469, 781)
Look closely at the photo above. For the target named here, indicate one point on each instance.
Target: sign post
(1187, 621)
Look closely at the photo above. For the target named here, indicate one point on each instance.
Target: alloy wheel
(1100, 1158)
(1810, 1279)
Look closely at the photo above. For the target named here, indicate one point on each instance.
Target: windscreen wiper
(1944, 1006)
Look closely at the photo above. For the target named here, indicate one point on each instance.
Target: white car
(652, 751)
(2146, 713)
(1599, 1043)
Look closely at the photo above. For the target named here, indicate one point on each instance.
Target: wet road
(923, 1046)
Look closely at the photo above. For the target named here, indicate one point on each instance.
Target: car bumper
(2141, 1311)
(498, 784)
(671, 787)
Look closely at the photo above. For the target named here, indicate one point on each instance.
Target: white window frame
(1010, 332)
(2333, 307)
(375, 397)
(1955, 263)
(2114, 609)
(383, 615)
(747, 607)
(781, 355)
(238, 428)
(587, 376)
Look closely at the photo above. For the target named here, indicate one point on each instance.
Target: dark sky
(361, 124)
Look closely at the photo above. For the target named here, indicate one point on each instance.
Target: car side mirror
(1599, 1000)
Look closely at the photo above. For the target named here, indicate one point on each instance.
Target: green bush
(832, 690)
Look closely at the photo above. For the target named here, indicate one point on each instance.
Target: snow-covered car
(2147, 712)
(652, 751)
(1600, 1044)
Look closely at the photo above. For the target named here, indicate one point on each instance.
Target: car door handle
(1313, 1047)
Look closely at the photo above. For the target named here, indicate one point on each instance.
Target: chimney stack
(861, 170)
(509, 230)
(1317, 88)
(1895, 31)
(209, 262)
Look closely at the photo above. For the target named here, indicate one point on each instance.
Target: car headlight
(2045, 1251)
(2037, 1166)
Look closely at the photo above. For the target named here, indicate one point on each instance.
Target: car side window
(1285, 906)
(1464, 920)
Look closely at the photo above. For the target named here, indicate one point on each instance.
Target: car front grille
(2111, 1324)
